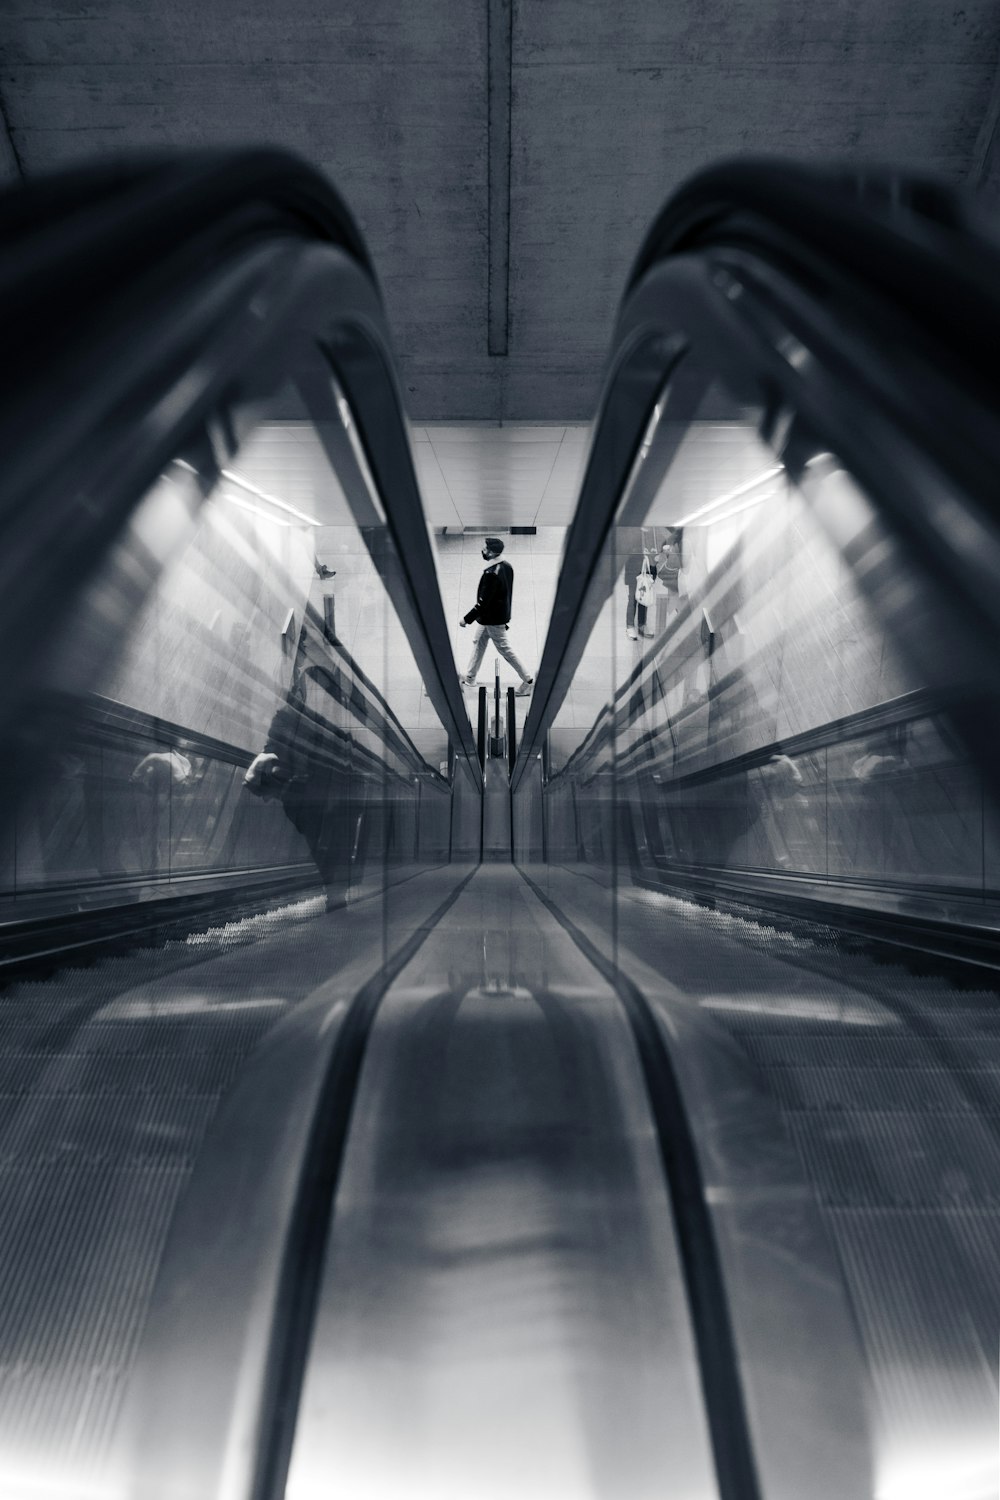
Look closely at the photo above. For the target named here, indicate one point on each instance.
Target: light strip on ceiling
(251, 489)
(742, 489)
(255, 510)
(739, 509)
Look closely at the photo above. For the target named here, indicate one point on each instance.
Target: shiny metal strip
(503, 1310)
(750, 1238)
(371, 454)
(212, 1404)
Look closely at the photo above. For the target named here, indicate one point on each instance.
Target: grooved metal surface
(917, 1159)
(889, 1085)
(110, 1078)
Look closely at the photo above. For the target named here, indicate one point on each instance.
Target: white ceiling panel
(514, 475)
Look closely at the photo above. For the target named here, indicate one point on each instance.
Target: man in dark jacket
(492, 615)
(307, 765)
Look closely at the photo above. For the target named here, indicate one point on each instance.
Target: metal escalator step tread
(865, 1048)
(926, 1291)
(912, 1089)
(900, 1160)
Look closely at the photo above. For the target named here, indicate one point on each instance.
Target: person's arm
(277, 751)
(255, 770)
(487, 588)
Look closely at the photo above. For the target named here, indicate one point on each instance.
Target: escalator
(781, 819)
(344, 1154)
(236, 768)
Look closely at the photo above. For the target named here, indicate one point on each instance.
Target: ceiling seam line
(983, 150)
(10, 147)
(548, 477)
(499, 63)
(444, 478)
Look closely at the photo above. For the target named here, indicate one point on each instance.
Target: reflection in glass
(252, 712)
(757, 720)
(754, 714)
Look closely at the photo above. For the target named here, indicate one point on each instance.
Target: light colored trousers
(498, 635)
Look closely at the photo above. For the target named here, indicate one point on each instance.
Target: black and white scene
(500, 814)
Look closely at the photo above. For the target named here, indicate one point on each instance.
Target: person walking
(667, 567)
(491, 614)
(636, 564)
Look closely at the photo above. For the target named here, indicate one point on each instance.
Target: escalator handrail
(941, 243)
(890, 233)
(70, 242)
(132, 283)
(108, 718)
(241, 1273)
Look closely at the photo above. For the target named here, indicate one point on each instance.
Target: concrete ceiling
(504, 157)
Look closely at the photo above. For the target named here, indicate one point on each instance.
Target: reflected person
(640, 562)
(491, 614)
(160, 774)
(667, 566)
(303, 765)
(785, 810)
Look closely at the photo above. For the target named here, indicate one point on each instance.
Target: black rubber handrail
(851, 231)
(78, 244)
(130, 292)
(855, 261)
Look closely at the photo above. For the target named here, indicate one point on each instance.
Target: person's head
(492, 547)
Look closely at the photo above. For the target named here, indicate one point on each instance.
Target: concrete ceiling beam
(984, 173)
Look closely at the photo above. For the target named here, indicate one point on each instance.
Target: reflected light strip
(650, 433)
(251, 489)
(742, 489)
(360, 458)
(257, 511)
(738, 510)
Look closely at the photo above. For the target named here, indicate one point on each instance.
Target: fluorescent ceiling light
(742, 489)
(256, 510)
(231, 476)
(251, 489)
